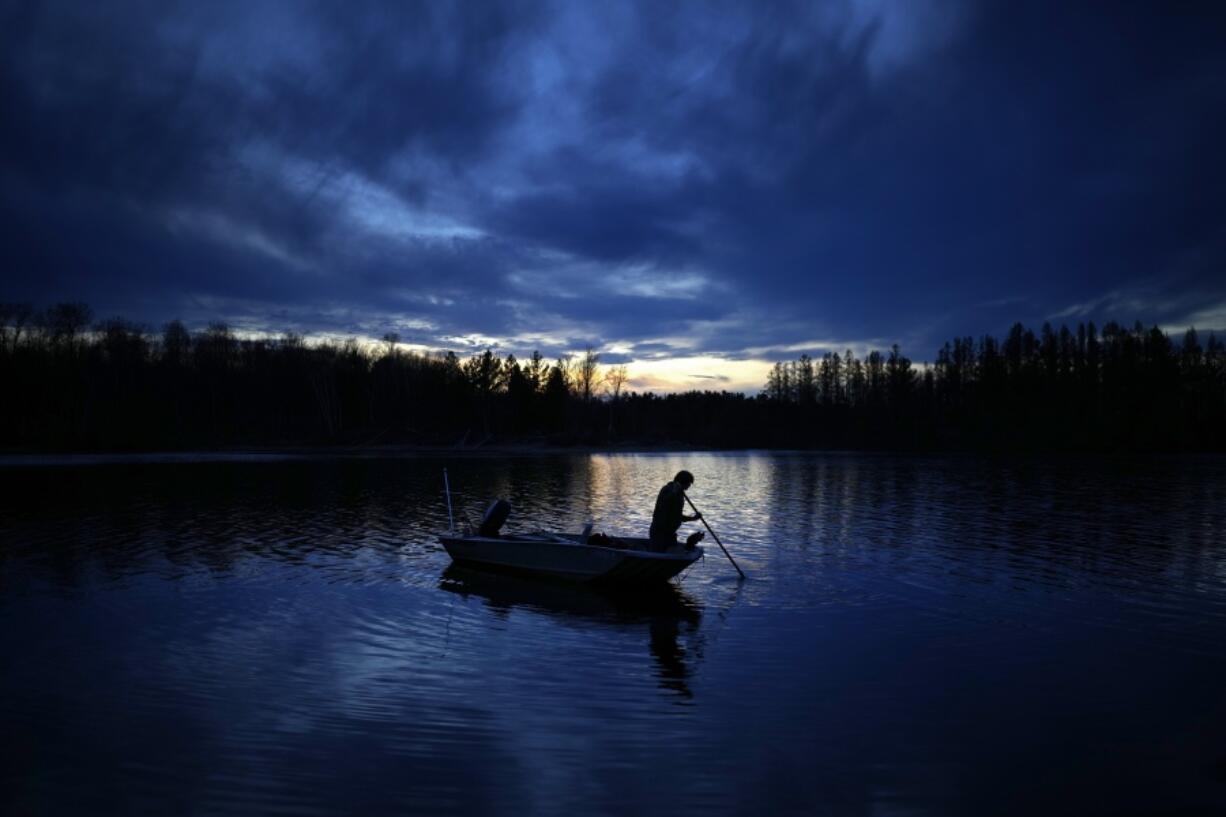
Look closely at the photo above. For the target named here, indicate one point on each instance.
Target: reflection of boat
(663, 608)
(571, 556)
(602, 603)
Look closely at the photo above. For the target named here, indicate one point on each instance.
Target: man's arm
(681, 498)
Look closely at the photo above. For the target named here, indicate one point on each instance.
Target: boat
(571, 557)
(581, 557)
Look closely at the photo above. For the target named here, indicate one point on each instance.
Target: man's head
(685, 479)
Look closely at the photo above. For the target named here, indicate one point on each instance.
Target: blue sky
(696, 189)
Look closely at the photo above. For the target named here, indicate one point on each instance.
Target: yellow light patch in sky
(698, 373)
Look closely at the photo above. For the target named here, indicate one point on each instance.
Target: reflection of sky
(705, 193)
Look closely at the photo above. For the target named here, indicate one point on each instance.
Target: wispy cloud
(1208, 318)
(1165, 304)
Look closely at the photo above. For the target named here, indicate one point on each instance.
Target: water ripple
(288, 636)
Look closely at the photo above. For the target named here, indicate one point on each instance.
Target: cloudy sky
(696, 189)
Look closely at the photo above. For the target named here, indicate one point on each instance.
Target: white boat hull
(566, 557)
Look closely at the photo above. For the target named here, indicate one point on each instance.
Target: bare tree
(216, 347)
(121, 340)
(13, 319)
(615, 377)
(587, 375)
(67, 321)
(176, 343)
(566, 368)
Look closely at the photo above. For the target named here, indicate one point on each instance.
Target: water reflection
(918, 635)
(669, 617)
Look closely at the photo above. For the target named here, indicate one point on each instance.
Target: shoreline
(256, 454)
(326, 452)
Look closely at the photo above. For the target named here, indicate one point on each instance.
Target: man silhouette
(669, 512)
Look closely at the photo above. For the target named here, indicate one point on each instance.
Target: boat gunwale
(651, 555)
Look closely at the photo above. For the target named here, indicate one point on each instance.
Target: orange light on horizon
(697, 373)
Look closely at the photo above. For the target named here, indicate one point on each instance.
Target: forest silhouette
(70, 384)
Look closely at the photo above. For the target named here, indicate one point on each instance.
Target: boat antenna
(447, 487)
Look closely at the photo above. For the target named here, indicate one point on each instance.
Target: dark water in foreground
(918, 636)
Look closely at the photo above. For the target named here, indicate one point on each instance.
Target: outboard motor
(495, 517)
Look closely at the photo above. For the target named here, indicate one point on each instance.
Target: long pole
(713, 536)
(447, 485)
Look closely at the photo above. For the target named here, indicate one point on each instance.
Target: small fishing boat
(572, 557)
(580, 557)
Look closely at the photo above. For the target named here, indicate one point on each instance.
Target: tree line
(71, 383)
(1121, 389)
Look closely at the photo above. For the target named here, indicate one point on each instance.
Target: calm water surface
(917, 636)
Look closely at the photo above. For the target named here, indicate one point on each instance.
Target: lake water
(917, 636)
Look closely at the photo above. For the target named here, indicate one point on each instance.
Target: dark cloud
(743, 180)
(601, 216)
